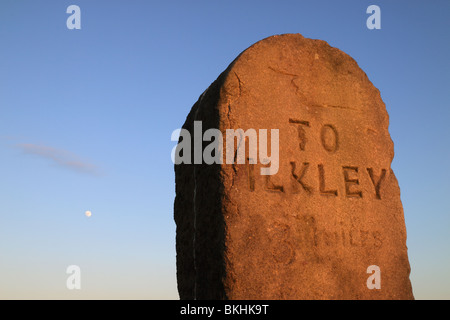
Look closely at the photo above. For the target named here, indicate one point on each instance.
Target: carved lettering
(310, 235)
(329, 137)
(364, 237)
(270, 186)
(378, 238)
(352, 238)
(322, 183)
(301, 132)
(376, 181)
(300, 175)
(298, 185)
(251, 175)
(349, 182)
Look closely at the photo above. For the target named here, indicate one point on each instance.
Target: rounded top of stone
(290, 48)
(322, 75)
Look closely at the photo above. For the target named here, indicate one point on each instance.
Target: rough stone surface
(332, 210)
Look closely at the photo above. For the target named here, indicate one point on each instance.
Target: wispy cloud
(60, 157)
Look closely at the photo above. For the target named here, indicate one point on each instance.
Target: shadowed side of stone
(330, 213)
(198, 212)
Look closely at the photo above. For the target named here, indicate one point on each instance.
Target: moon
(88, 213)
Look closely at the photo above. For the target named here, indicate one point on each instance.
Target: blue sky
(86, 118)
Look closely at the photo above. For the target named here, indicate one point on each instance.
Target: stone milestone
(332, 210)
